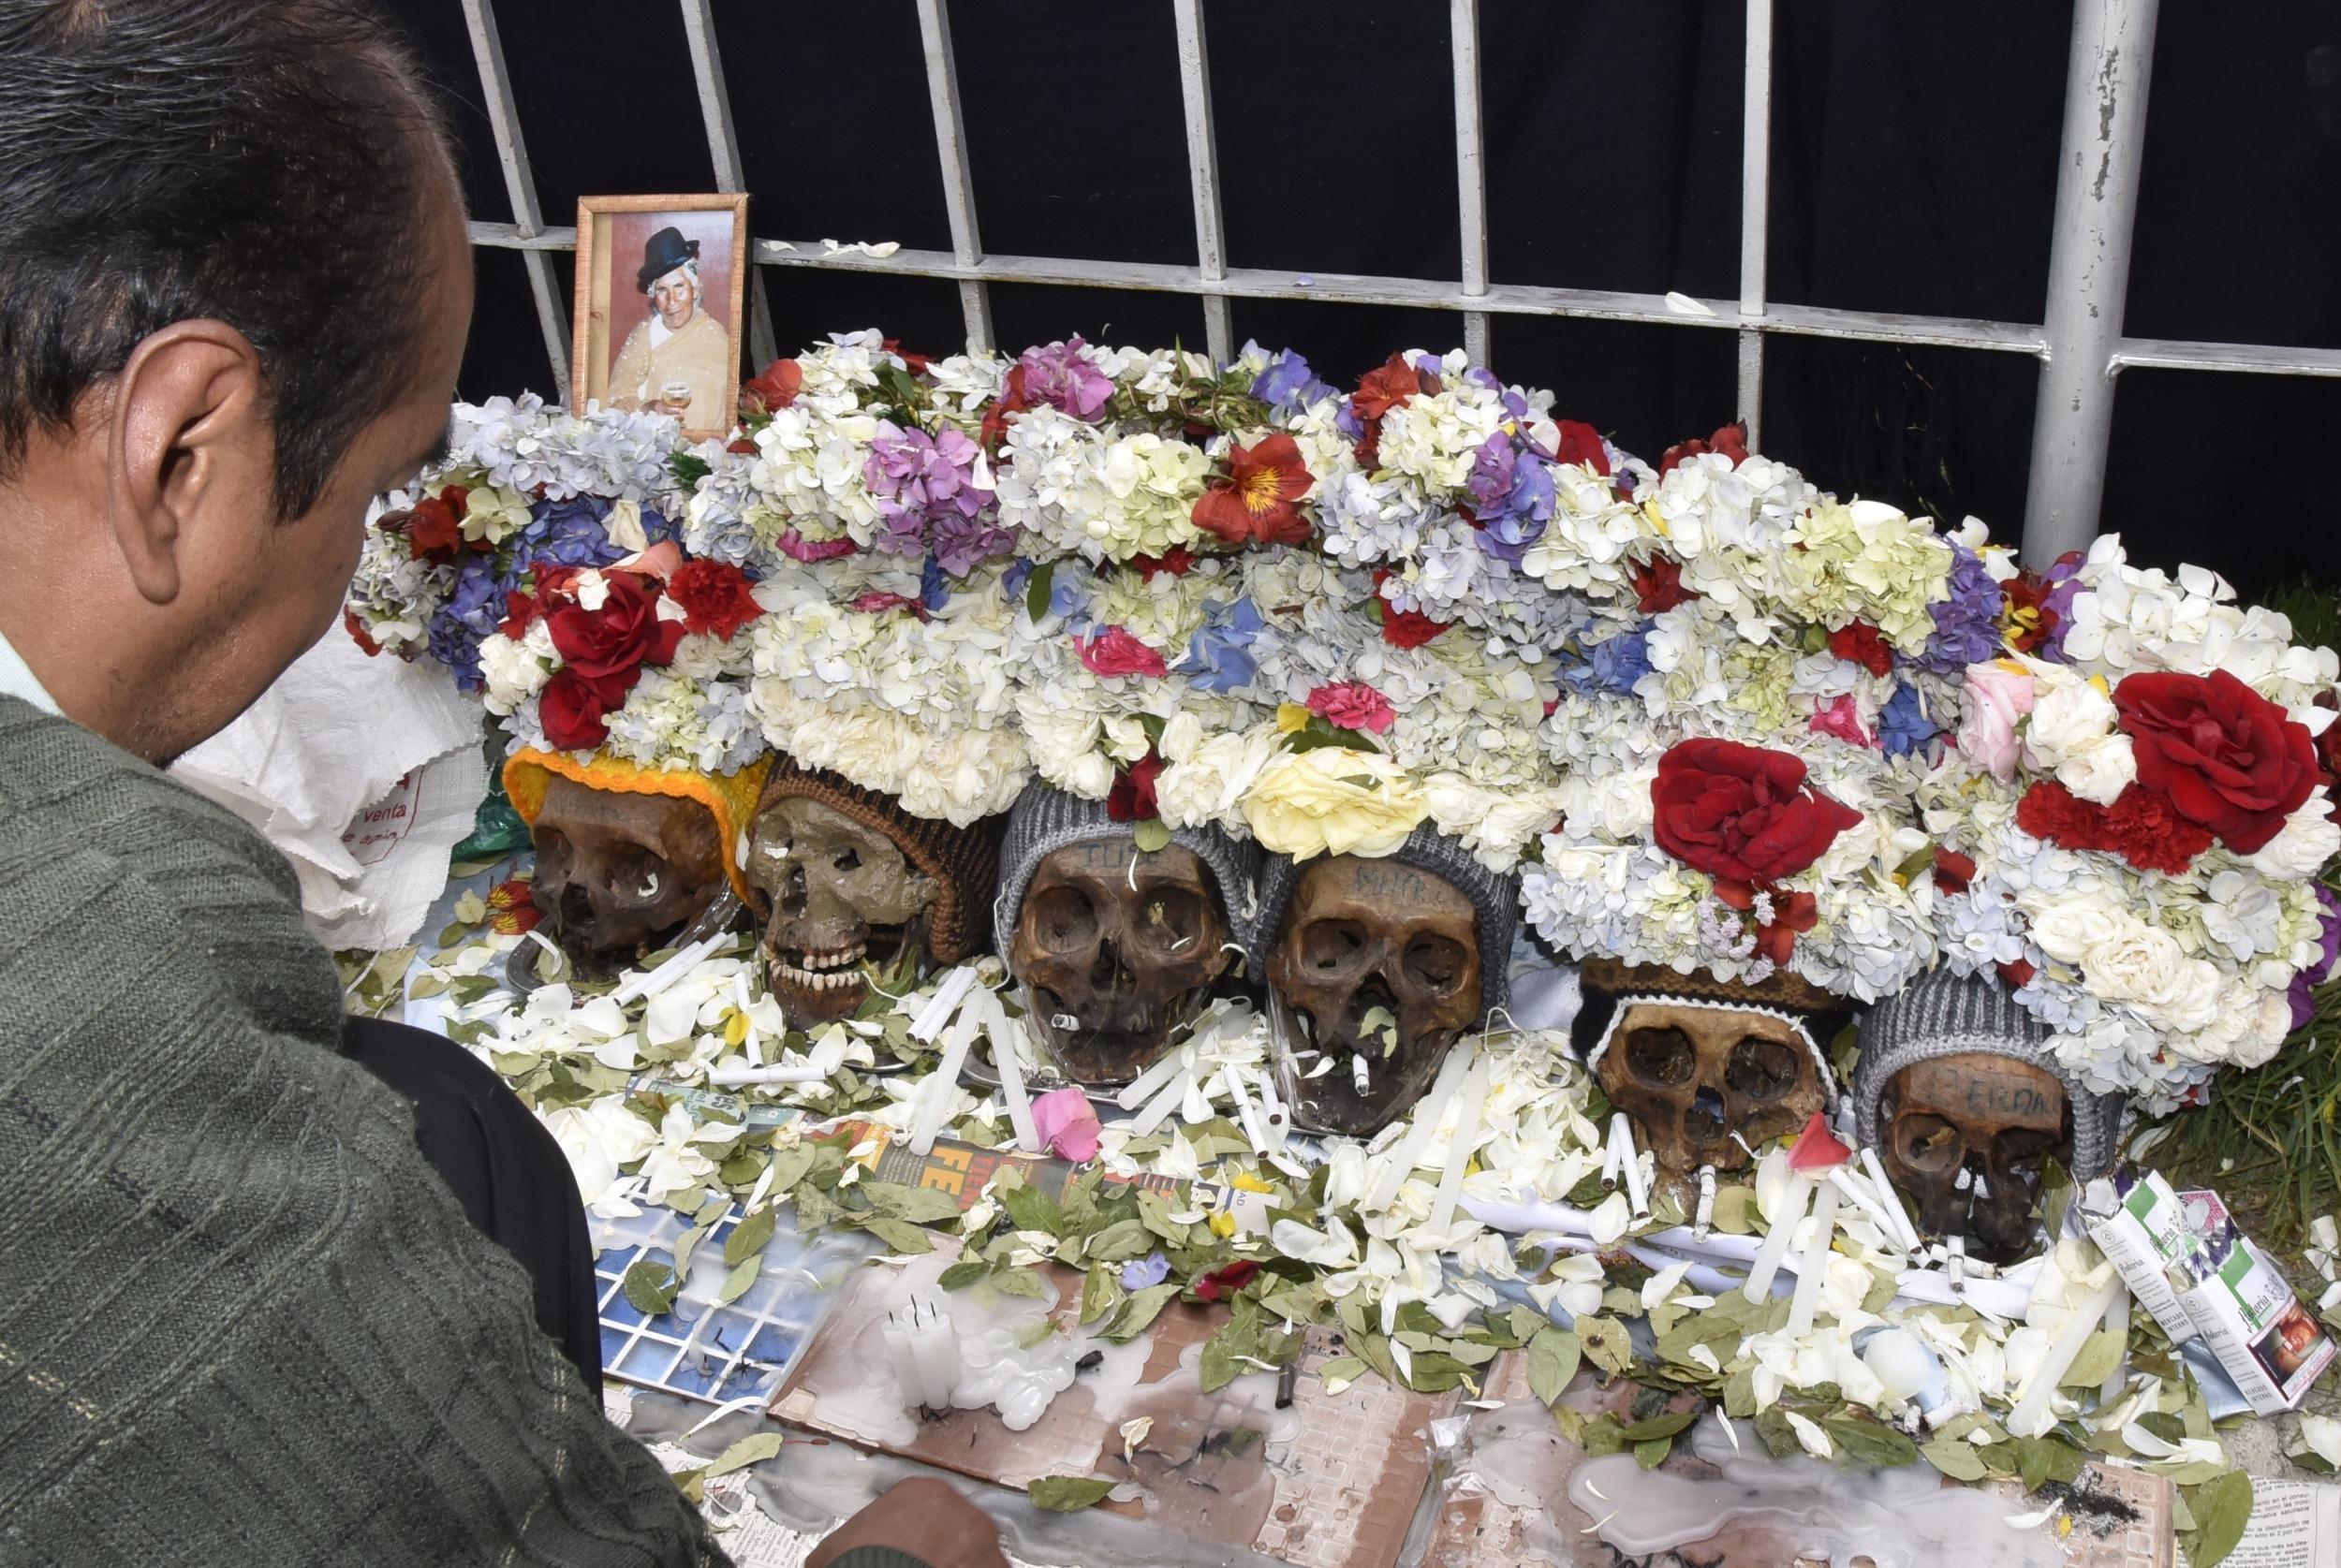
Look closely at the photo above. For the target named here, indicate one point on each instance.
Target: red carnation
(1132, 796)
(2227, 757)
(1581, 442)
(1742, 813)
(1860, 644)
(1411, 628)
(519, 609)
(1658, 585)
(1792, 915)
(1952, 869)
(572, 708)
(877, 604)
(715, 596)
(1221, 1283)
(626, 633)
(1258, 500)
(1178, 560)
(1114, 651)
(1730, 441)
(2140, 826)
(773, 390)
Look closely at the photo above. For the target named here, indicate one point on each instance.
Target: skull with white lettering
(1377, 967)
(1693, 1060)
(1962, 1094)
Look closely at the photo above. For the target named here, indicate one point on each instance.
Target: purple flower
(1287, 385)
(1966, 624)
(568, 533)
(2304, 984)
(1513, 491)
(1065, 378)
(1139, 1273)
(472, 611)
(2063, 587)
(960, 543)
(928, 499)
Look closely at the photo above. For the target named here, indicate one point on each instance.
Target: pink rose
(1841, 716)
(1352, 705)
(1067, 1123)
(1997, 696)
(1116, 652)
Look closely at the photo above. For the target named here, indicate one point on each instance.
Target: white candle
(643, 987)
(736, 1077)
(935, 1349)
(1813, 1266)
(1151, 1079)
(936, 1092)
(1470, 1098)
(938, 1012)
(2117, 1319)
(1775, 1245)
(1427, 1111)
(1004, 1030)
(2030, 1417)
(1904, 1230)
(908, 1377)
(1158, 1110)
(1629, 1163)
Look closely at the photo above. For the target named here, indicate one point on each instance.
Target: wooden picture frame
(623, 318)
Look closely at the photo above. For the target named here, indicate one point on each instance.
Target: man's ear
(187, 424)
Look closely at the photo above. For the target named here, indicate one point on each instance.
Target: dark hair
(258, 162)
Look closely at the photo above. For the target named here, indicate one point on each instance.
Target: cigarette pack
(2138, 1223)
(2249, 1317)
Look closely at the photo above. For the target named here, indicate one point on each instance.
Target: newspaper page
(2293, 1524)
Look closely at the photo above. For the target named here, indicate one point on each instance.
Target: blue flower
(1511, 490)
(1612, 666)
(1139, 1273)
(1218, 656)
(933, 587)
(1966, 624)
(1902, 727)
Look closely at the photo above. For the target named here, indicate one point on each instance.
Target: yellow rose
(1331, 800)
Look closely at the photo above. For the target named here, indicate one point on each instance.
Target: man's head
(669, 274)
(234, 287)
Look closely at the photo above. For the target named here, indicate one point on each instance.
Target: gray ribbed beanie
(1942, 1013)
(1046, 818)
(1497, 898)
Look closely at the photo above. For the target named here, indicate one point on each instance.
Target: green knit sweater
(242, 1321)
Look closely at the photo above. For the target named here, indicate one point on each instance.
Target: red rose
(1730, 441)
(2227, 757)
(1132, 796)
(1860, 644)
(1742, 813)
(1658, 586)
(1411, 628)
(1581, 442)
(572, 707)
(714, 596)
(1952, 869)
(626, 633)
(774, 389)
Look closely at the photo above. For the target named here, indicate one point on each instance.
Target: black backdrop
(1914, 151)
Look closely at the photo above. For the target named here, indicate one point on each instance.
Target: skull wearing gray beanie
(1496, 899)
(1945, 1013)
(1046, 818)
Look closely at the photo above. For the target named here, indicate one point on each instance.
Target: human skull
(1378, 962)
(840, 895)
(618, 871)
(1965, 1137)
(1691, 1075)
(1116, 949)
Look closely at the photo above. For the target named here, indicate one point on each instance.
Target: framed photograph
(660, 280)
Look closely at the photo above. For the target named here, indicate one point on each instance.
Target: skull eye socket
(1435, 964)
(2022, 1149)
(1169, 918)
(1664, 1058)
(1063, 918)
(847, 858)
(1761, 1068)
(1328, 947)
(1928, 1143)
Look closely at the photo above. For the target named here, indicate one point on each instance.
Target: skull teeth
(822, 971)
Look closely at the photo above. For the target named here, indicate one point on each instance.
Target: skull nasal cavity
(1703, 1122)
(1661, 1055)
(1760, 1069)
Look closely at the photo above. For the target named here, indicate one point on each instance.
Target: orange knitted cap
(729, 798)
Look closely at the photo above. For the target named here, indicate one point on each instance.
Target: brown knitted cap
(1782, 989)
(962, 861)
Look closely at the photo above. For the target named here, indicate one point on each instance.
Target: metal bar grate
(723, 150)
(2081, 346)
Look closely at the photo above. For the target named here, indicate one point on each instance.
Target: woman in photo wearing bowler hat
(675, 361)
